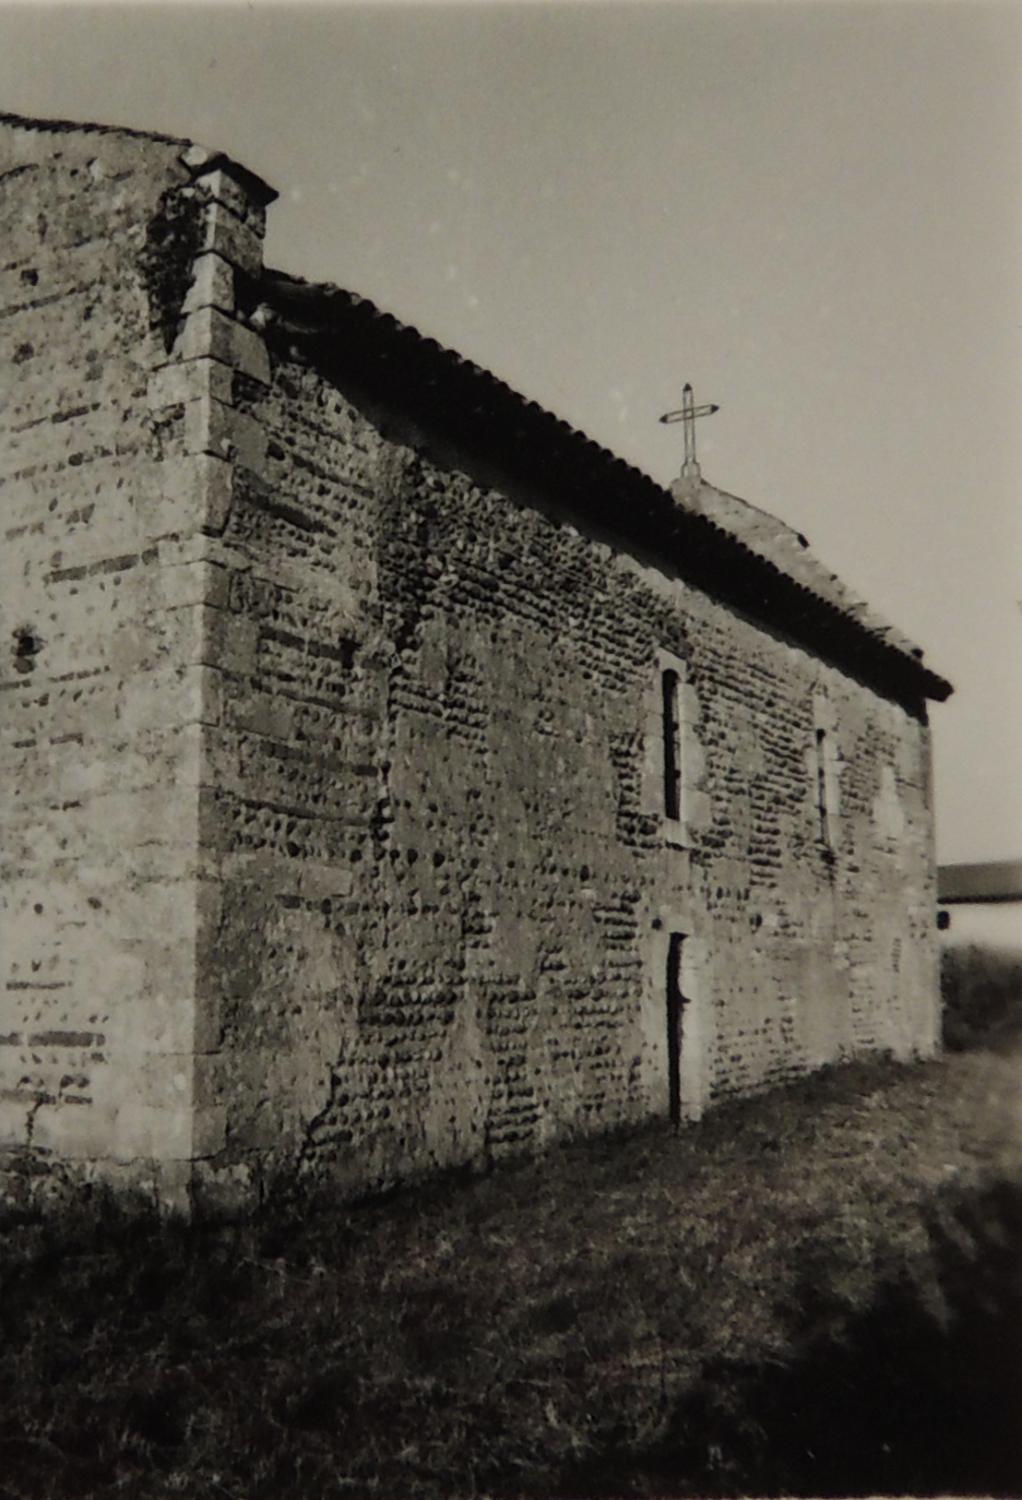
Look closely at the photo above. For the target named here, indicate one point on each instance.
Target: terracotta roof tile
(349, 339)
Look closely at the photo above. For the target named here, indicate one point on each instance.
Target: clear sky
(811, 211)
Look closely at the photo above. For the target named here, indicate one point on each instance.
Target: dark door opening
(675, 1004)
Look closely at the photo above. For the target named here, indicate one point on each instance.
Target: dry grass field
(815, 1292)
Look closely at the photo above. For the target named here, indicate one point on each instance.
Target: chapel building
(392, 777)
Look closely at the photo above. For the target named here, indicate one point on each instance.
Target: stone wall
(110, 476)
(449, 886)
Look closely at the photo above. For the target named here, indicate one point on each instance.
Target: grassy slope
(636, 1315)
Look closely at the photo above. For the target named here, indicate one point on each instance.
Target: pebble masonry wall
(448, 886)
(336, 830)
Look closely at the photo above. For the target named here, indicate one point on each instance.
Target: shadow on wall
(981, 988)
(911, 1398)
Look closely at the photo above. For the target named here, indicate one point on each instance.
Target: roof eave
(343, 335)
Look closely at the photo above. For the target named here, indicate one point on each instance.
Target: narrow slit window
(670, 683)
(821, 786)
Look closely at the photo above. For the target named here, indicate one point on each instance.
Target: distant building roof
(718, 543)
(997, 880)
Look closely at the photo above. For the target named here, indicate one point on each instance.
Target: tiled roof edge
(86, 127)
(309, 317)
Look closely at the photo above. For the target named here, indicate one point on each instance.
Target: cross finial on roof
(687, 415)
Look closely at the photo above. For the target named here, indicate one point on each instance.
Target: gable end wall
(119, 351)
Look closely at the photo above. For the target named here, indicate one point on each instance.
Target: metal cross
(688, 413)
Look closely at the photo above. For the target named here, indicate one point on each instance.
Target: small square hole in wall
(27, 645)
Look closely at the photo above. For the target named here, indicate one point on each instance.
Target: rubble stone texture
(334, 830)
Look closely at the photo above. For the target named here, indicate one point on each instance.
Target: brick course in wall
(335, 833)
